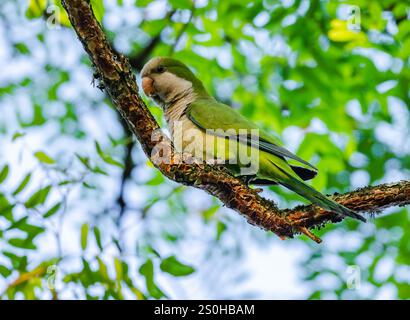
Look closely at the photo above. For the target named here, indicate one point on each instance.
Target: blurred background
(84, 215)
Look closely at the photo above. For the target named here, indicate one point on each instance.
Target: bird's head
(167, 80)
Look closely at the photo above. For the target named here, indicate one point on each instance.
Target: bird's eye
(160, 69)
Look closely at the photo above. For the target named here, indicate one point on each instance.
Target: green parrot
(211, 130)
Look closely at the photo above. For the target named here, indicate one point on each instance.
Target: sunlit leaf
(98, 8)
(59, 14)
(84, 236)
(220, 229)
(22, 184)
(4, 271)
(36, 8)
(172, 266)
(38, 198)
(6, 208)
(210, 212)
(4, 172)
(53, 210)
(107, 158)
(118, 268)
(22, 48)
(17, 135)
(44, 158)
(97, 235)
(181, 4)
(147, 270)
(22, 243)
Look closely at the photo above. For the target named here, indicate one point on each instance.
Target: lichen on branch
(116, 77)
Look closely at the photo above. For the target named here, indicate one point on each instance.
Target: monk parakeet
(209, 129)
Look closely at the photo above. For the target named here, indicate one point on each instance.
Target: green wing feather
(210, 114)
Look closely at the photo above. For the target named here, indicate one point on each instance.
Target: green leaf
(142, 3)
(32, 230)
(107, 158)
(22, 184)
(38, 198)
(22, 48)
(147, 270)
(156, 180)
(151, 251)
(36, 8)
(103, 270)
(181, 4)
(84, 160)
(61, 14)
(315, 295)
(210, 212)
(98, 170)
(220, 229)
(18, 262)
(6, 208)
(118, 269)
(66, 182)
(4, 271)
(117, 244)
(84, 236)
(98, 8)
(113, 162)
(89, 186)
(43, 157)
(17, 135)
(172, 266)
(22, 243)
(97, 235)
(53, 210)
(18, 223)
(4, 173)
(37, 120)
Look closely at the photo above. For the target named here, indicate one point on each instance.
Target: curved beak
(148, 86)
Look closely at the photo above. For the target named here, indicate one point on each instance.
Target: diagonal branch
(116, 76)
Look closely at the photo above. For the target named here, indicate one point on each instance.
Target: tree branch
(369, 199)
(116, 76)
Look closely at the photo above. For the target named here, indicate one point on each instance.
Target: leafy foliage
(83, 214)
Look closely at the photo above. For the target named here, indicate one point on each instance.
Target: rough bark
(116, 76)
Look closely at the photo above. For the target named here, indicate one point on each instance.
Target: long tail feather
(317, 198)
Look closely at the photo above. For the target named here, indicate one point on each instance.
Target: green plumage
(207, 113)
(277, 165)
